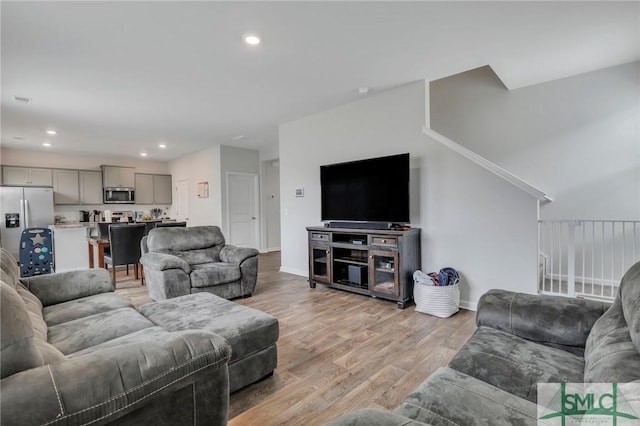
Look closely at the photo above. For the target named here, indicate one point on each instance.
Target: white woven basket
(440, 301)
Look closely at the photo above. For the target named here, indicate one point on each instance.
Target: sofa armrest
(370, 417)
(163, 262)
(65, 286)
(105, 385)
(233, 254)
(554, 320)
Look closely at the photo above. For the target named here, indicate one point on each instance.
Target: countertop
(90, 224)
(73, 225)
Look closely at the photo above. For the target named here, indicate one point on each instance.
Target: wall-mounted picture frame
(203, 189)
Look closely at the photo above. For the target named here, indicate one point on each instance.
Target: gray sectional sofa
(74, 352)
(180, 261)
(523, 340)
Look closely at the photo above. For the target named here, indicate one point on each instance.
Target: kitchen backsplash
(72, 213)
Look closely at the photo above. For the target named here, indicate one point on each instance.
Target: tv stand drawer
(384, 241)
(319, 236)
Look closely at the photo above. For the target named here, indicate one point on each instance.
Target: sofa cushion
(28, 297)
(83, 307)
(34, 309)
(50, 355)
(9, 269)
(199, 256)
(154, 333)
(449, 397)
(514, 364)
(197, 244)
(73, 336)
(210, 274)
(610, 355)
(247, 330)
(18, 349)
(630, 295)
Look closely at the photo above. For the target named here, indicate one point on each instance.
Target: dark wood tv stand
(378, 263)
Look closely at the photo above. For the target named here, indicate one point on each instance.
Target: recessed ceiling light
(251, 39)
(22, 99)
(143, 154)
(47, 144)
(51, 132)
(363, 90)
(162, 146)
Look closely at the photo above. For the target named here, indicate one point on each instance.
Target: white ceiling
(120, 77)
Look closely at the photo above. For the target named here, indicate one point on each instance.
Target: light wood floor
(337, 351)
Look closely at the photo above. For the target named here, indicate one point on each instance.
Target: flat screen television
(371, 190)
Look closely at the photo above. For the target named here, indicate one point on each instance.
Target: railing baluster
(551, 256)
(593, 255)
(602, 260)
(584, 244)
(560, 257)
(571, 259)
(624, 243)
(634, 243)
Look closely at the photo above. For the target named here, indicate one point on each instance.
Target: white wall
(577, 138)
(270, 152)
(212, 165)
(270, 190)
(470, 219)
(202, 166)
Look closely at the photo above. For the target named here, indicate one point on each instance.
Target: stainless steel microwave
(119, 196)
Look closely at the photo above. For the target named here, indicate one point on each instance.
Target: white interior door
(242, 210)
(182, 201)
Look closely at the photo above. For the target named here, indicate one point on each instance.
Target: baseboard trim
(294, 271)
(471, 306)
(269, 250)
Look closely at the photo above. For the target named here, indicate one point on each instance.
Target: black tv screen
(372, 190)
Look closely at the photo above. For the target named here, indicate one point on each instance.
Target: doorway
(242, 209)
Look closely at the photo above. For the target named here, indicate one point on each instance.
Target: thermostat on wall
(299, 192)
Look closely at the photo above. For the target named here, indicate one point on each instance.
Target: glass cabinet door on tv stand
(320, 263)
(383, 272)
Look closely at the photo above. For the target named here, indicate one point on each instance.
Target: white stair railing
(586, 258)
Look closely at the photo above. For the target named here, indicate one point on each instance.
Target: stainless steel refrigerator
(20, 208)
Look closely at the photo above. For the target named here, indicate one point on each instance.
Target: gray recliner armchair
(179, 261)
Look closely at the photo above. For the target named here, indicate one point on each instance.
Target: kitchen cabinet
(144, 188)
(162, 189)
(90, 187)
(26, 176)
(65, 187)
(118, 177)
(153, 189)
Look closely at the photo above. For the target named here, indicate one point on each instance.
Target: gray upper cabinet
(114, 177)
(144, 189)
(90, 187)
(26, 176)
(153, 189)
(65, 187)
(162, 189)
